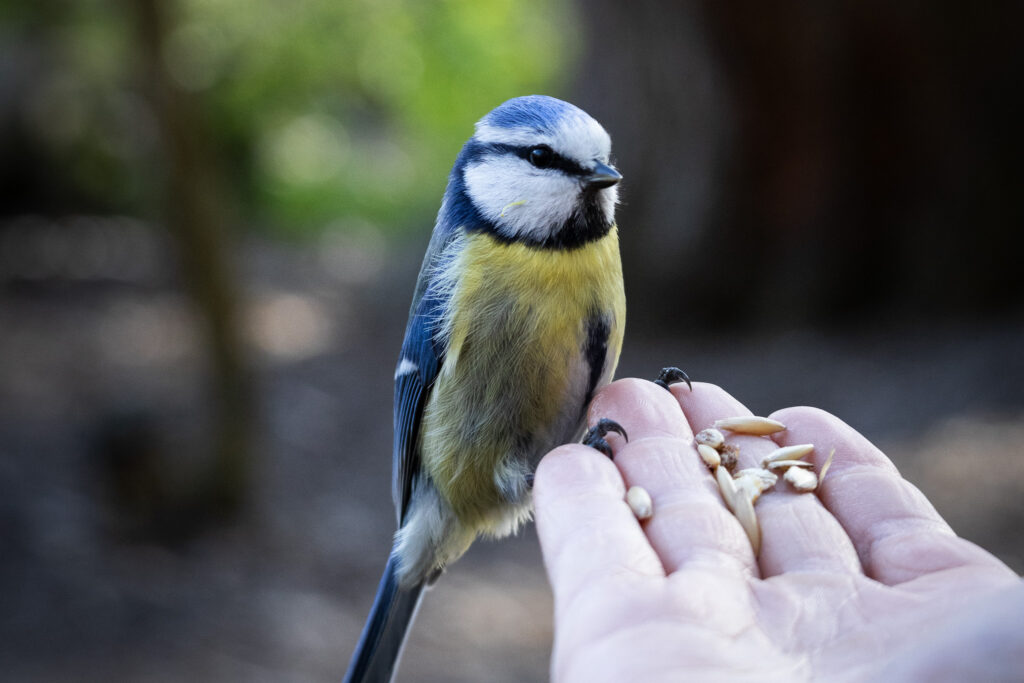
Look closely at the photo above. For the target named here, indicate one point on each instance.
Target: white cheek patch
(520, 200)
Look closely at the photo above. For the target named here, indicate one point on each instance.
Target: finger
(897, 533)
(797, 532)
(586, 530)
(690, 527)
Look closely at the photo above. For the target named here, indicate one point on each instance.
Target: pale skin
(861, 580)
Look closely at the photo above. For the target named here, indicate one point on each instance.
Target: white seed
(640, 502)
(748, 487)
(726, 485)
(741, 505)
(824, 468)
(709, 455)
(751, 487)
(710, 437)
(756, 479)
(748, 520)
(800, 479)
(760, 426)
(783, 464)
(788, 453)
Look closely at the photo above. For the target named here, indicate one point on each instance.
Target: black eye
(541, 156)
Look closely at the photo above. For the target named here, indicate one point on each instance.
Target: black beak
(601, 177)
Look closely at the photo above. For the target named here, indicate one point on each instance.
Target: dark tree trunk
(197, 216)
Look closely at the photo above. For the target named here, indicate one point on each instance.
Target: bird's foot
(672, 375)
(595, 435)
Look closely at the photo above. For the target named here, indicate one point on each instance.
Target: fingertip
(795, 414)
(707, 403)
(806, 424)
(828, 433)
(575, 467)
(630, 390)
(642, 408)
(705, 387)
(808, 419)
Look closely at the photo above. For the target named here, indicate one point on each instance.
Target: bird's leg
(595, 435)
(672, 375)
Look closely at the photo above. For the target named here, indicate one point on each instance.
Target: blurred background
(212, 214)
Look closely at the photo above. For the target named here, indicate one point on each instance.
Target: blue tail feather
(376, 656)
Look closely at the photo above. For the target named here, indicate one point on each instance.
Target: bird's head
(537, 170)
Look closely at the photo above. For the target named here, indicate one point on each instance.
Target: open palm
(861, 581)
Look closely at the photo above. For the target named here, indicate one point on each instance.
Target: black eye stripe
(557, 161)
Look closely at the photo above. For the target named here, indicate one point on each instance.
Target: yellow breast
(514, 362)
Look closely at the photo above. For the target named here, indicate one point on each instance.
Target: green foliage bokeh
(322, 112)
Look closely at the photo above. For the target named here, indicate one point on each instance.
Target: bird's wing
(420, 361)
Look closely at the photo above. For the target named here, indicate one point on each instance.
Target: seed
(640, 502)
(800, 479)
(760, 426)
(740, 504)
(709, 455)
(788, 453)
(710, 437)
(824, 468)
(748, 520)
(754, 481)
(726, 485)
(783, 464)
(730, 455)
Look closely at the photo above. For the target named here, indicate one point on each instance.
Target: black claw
(672, 375)
(599, 444)
(595, 435)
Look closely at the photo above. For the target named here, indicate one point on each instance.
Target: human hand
(862, 580)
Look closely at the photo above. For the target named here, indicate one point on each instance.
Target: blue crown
(539, 112)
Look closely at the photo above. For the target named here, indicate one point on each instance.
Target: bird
(517, 319)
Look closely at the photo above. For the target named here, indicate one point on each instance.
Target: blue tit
(517, 319)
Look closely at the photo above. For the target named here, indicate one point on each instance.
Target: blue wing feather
(421, 348)
(411, 389)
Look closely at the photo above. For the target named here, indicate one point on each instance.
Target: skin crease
(861, 580)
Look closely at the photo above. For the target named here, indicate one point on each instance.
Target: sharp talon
(595, 435)
(604, 425)
(672, 375)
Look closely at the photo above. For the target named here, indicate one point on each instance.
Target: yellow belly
(514, 377)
